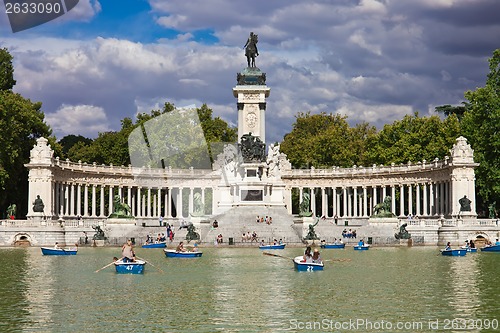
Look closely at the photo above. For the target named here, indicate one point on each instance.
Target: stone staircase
(239, 220)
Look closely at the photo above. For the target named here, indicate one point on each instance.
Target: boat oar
(161, 270)
(276, 255)
(111, 263)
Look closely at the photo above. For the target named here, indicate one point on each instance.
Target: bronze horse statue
(251, 49)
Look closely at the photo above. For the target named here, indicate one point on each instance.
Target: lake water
(242, 290)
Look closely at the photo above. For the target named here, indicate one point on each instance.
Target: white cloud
(83, 120)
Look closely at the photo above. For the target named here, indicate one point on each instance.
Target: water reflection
(464, 296)
(240, 290)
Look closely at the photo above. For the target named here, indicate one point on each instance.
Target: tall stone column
(355, 203)
(94, 188)
(72, 200)
(425, 202)
(344, 197)
(251, 92)
(417, 200)
(402, 200)
(410, 199)
(86, 201)
(432, 202)
(101, 213)
(365, 202)
(393, 199)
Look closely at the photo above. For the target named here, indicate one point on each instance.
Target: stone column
(94, 188)
(401, 200)
(158, 212)
(79, 200)
(168, 204)
(324, 202)
(432, 202)
(139, 202)
(410, 199)
(417, 193)
(393, 199)
(426, 210)
(365, 202)
(344, 203)
(334, 202)
(72, 200)
(179, 204)
(101, 214)
(110, 198)
(86, 201)
(355, 203)
(129, 197)
(148, 208)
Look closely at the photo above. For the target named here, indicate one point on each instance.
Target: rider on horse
(251, 49)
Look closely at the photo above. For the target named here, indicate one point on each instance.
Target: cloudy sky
(371, 60)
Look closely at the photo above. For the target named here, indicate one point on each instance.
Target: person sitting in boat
(471, 244)
(280, 242)
(262, 243)
(195, 247)
(316, 258)
(307, 255)
(148, 239)
(466, 245)
(128, 254)
(448, 247)
(323, 242)
(180, 247)
(338, 241)
(56, 246)
(361, 242)
(497, 242)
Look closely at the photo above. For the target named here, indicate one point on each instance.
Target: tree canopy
(6, 70)
(325, 140)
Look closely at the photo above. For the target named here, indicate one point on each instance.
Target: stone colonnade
(423, 189)
(428, 199)
(96, 200)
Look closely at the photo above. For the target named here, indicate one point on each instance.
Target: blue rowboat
(491, 248)
(469, 249)
(175, 254)
(155, 245)
(272, 247)
(454, 253)
(361, 247)
(50, 251)
(333, 246)
(306, 267)
(136, 267)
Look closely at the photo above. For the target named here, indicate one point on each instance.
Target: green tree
(481, 127)
(22, 122)
(69, 141)
(323, 140)
(6, 70)
(413, 139)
